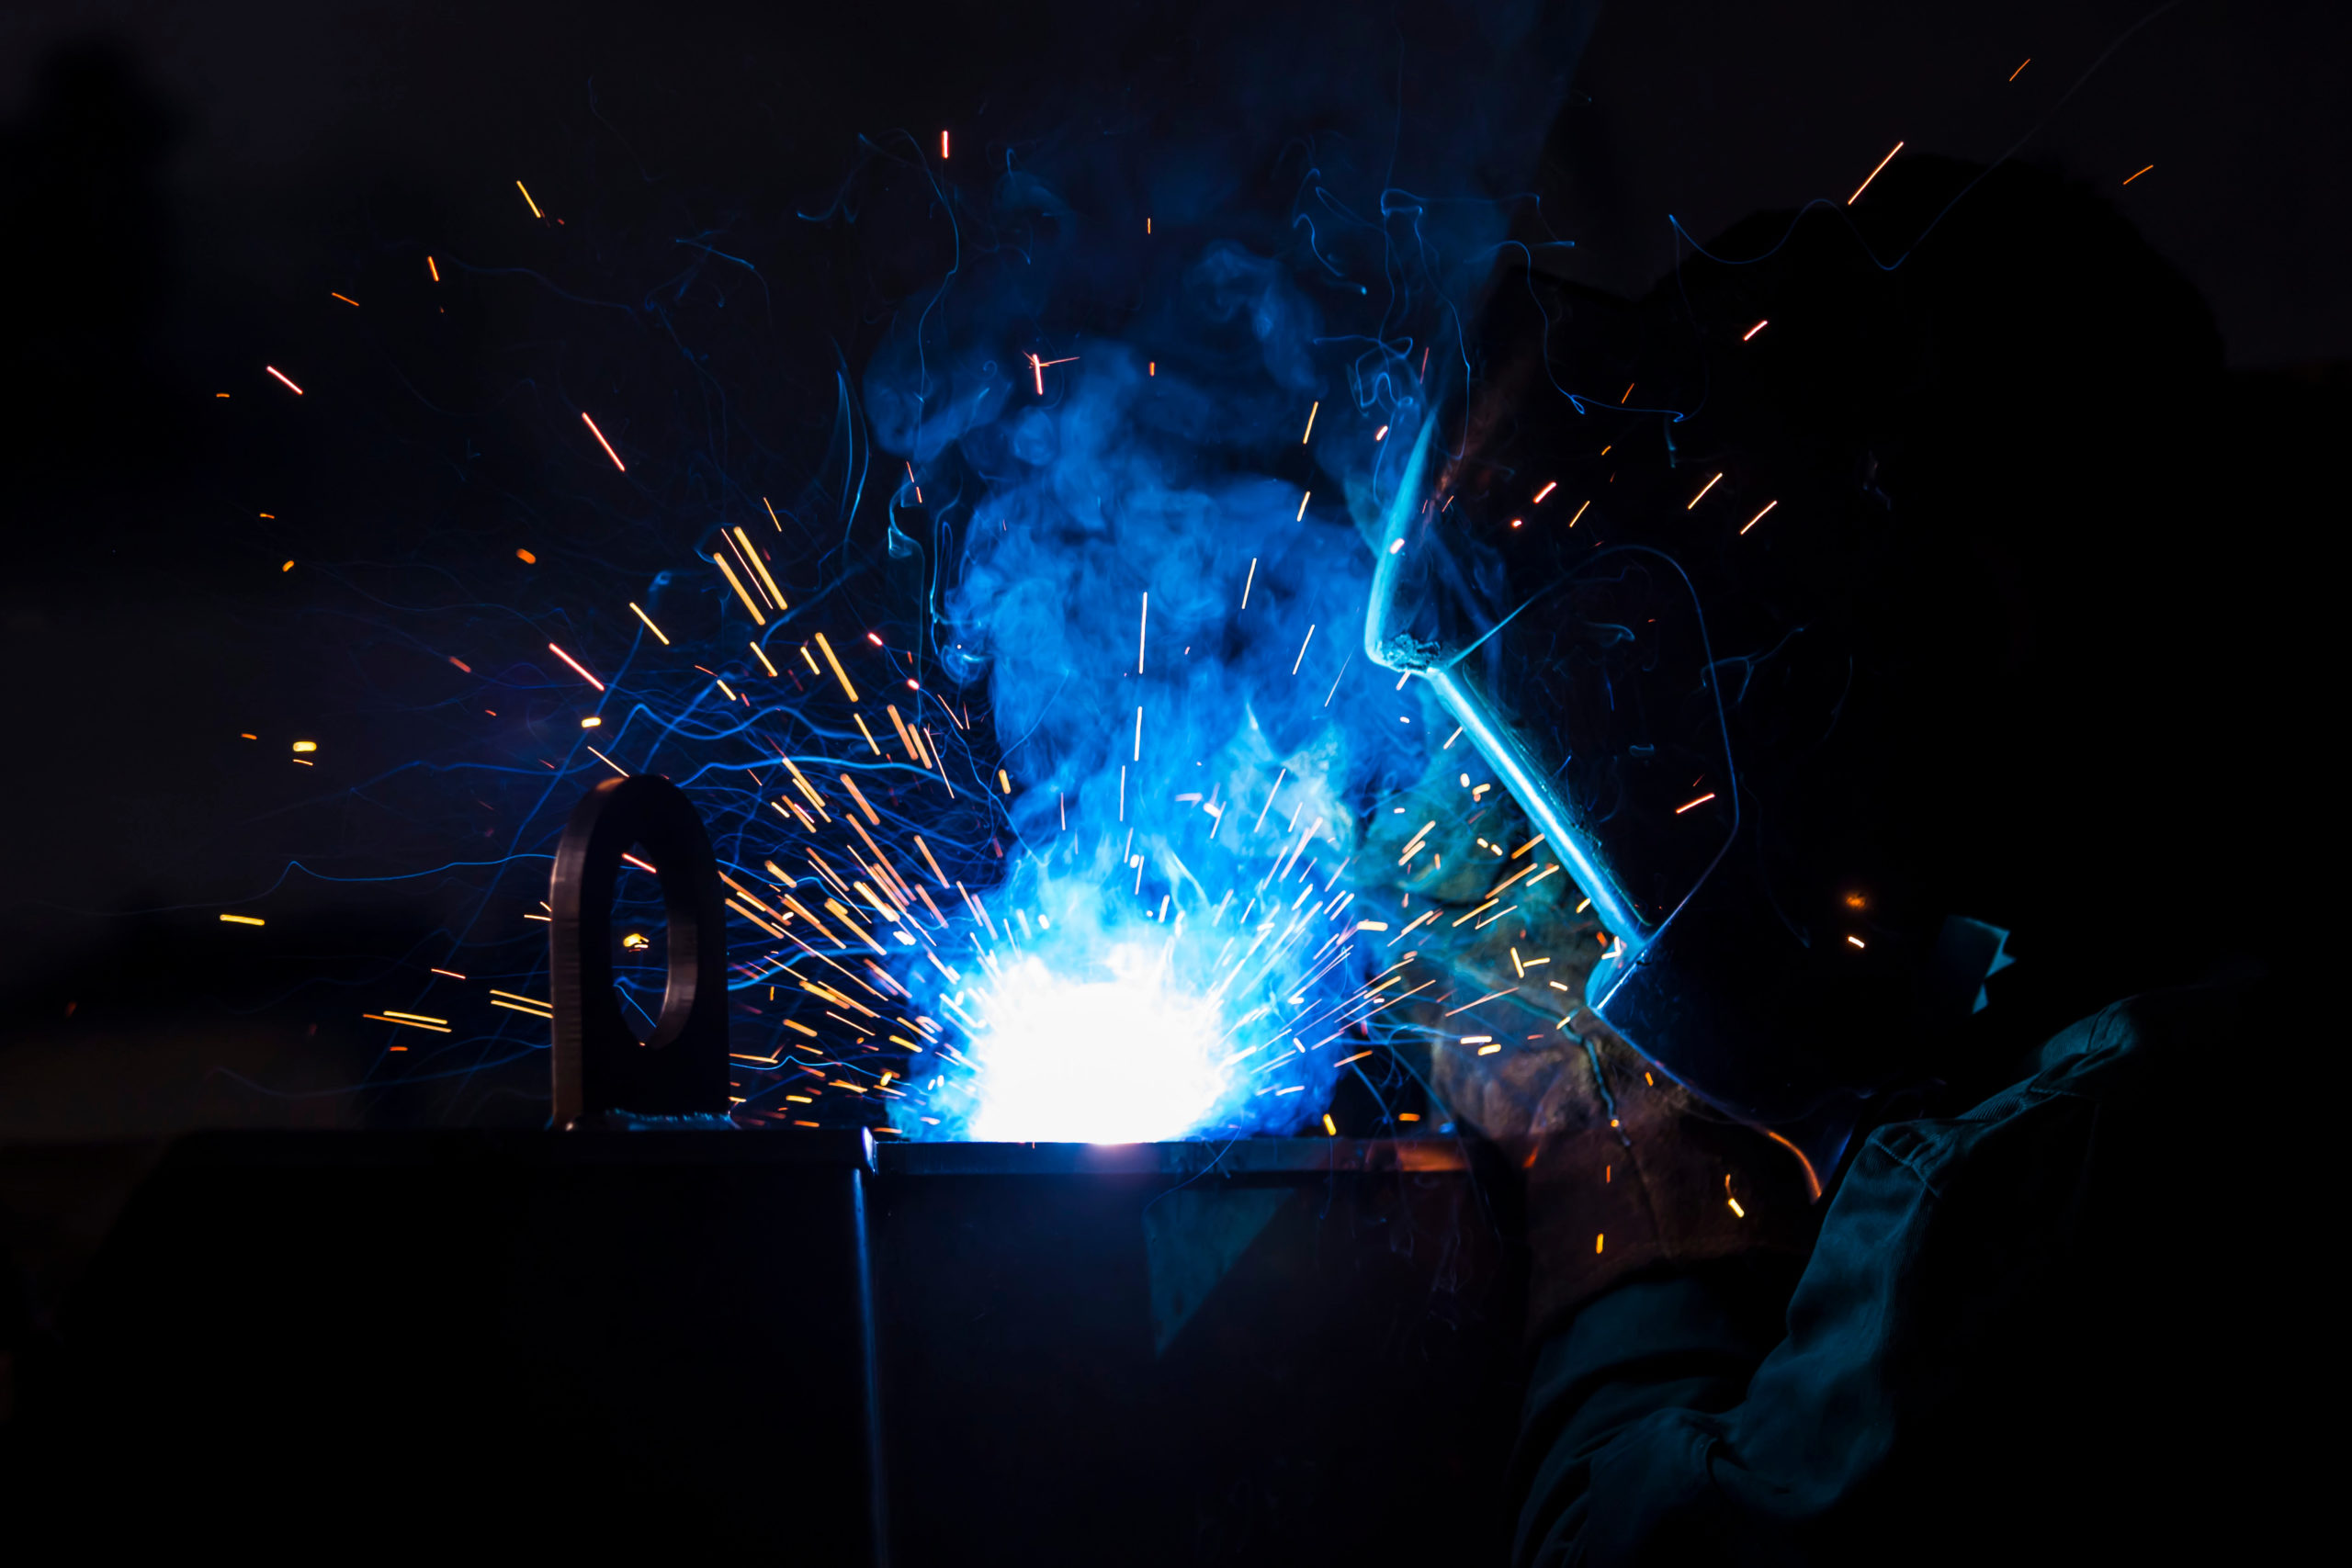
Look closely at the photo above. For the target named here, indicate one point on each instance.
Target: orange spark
(2136, 177)
(1883, 162)
(1754, 330)
(839, 673)
(1701, 801)
(1703, 492)
(2021, 65)
(650, 625)
(282, 375)
(1037, 368)
(1758, 517)
(1548, 489)
(735, 582)
(607, 445)
(345, 298)
(760, 566)
(576, 665)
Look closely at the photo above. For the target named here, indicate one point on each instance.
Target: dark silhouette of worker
(1848, 617)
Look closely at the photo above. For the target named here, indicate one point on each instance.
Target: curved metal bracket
(600, 1066)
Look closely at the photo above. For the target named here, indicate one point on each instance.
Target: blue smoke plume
(1148, 526)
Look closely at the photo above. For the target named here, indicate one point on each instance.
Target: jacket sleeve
(1646, 1417)
(2010, 1333)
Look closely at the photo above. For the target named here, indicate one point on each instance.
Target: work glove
(1625, 1168)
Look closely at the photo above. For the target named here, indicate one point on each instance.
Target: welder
(1837, 614)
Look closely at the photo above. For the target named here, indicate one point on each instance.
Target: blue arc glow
(1122, 1059)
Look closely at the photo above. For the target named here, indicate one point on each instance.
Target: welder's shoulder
(2160, 1049)
(2165, 1034)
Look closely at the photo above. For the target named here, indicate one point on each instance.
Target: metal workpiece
(598, 1064)
(1195, 1157)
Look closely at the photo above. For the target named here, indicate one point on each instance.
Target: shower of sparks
(1208, 986)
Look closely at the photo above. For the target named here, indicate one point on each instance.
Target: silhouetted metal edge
(1240, 1156)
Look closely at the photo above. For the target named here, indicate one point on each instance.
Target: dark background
(181, 187)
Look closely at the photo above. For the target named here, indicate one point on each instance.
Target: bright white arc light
(1126, 1060)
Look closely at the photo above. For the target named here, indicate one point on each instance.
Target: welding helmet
(1644, 554)
(1565, 633)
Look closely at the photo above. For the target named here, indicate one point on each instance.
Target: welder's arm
(1616, 1392)
(1982, 1311)
(1665, 1242)
(1675, 1418)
